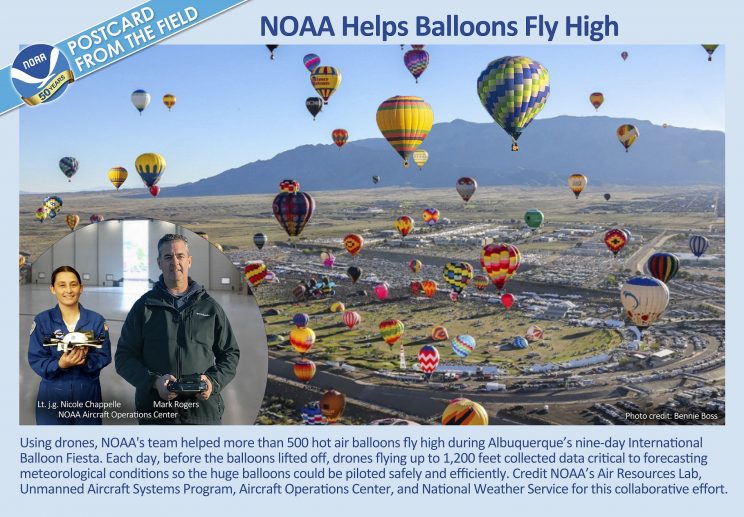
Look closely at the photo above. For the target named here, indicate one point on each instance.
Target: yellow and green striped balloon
(405, 121)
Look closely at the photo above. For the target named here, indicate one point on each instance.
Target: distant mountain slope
(550, 150)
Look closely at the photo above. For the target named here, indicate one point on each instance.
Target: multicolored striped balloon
(117, 176)
(339, 136)
(428, 359)
(72, 221)
(462, 411)
(289, 186)
(415, 265)
(577, 183)
(351, 319)
(500, 262)
(513, 90)
(391, 331)
(463, 345)
(534, 333)
(480, 282)
(596, 99)
(420, 157)
(663, 266)
(416, 62)
(325, 80)
(311, 62)
(304, 370)
(312, 415)
(615, 240)
(405, 121)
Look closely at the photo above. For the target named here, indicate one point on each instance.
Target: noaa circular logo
(40, 74)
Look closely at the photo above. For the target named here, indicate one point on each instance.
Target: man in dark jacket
(173, 331)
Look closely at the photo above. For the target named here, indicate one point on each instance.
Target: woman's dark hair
(65, 269)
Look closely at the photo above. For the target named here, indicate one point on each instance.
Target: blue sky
(235, 105)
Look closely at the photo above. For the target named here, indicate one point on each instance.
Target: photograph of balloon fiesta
(435, 235)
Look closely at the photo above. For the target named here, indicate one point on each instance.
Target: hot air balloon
(140, 99)
(289, 186)
(154, 190)
(698, 245)
(480, 282)
(391, 331)
(463, 345)
(405, 122)
(615, 240)
(117, 176)
(328, 258)
(644, 299)
(428, 360)
(416, 62)
(514, 90)
(577, 183)
(382, 291)
(596, 99)
(420, 157)
(21, 261)
(414, 265)
(311, 62)
(272, 48)
(96, 218)
(293, 210)
(462, 411)
(300, 320)
(53, 204)
(354, 273)
(429, 287)
(520, 343)
(325, 80)
(351, 319)
(312, 415)
(304, 370)
(404, 225)
(340, 136)
(169, 100)
(663, 266)
(255, 272)
(353, 243)
(607, 197)
(150, 167)
(72, 221)
(338, 307)
(415, 287)
(302, 339)
(624, 55)
(69, 166)
(534, 218)
(466, 187)
(375, 179)
(665, 125)
(314, 105)
(457, 275)
(627, 134)
(534, 333)
(439, 333)
(41, 214)
(299, 291)
(332, 405)
(431, 216)
(259, 239)
(507, 300)
(710, 49)
(500, 262)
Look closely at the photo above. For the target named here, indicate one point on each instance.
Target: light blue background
(641, 22)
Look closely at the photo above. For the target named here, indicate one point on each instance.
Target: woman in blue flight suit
(69, 379)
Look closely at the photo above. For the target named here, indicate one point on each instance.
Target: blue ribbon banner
(121, 36)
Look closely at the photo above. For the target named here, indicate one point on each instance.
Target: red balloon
(154, 190)
(507, 300)
(382, 291)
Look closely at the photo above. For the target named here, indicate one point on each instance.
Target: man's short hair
(170, 237)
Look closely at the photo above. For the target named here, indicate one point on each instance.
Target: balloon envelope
(663, 266)
(69, 166)
(428, 359)
(698, 245)
(332, 405)
(466, 187)
(259, 239)
(140, 99)
(293, 210)
(405, 121)
(577, 183)
(463, 411)
(416, 61)
(644, 299)
(150, 167)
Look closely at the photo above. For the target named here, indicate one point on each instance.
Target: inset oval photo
(139, 322)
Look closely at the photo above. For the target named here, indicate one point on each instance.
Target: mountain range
(550, 150)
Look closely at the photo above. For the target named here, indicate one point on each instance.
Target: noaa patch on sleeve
(33, 327)
(40, 73)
